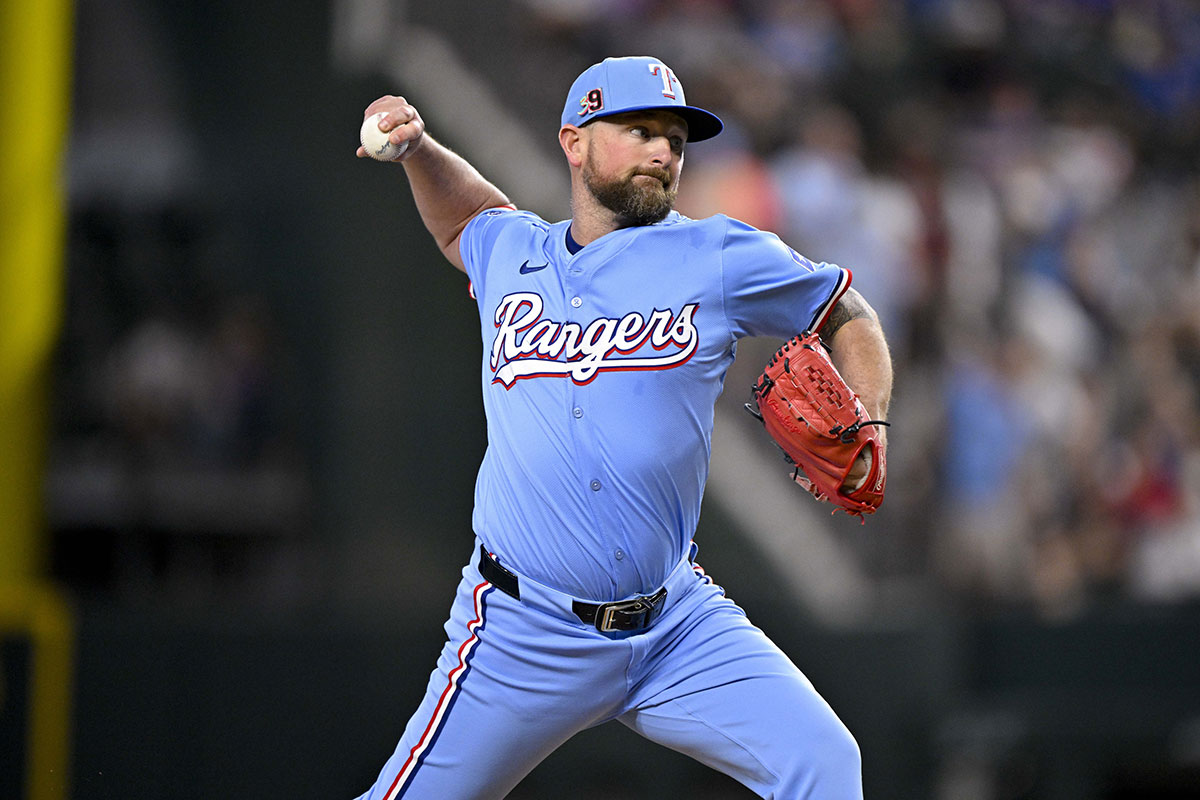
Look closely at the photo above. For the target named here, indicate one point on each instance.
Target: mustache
(660, 175)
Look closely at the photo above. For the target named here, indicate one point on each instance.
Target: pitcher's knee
(844, 758)
(826, 766)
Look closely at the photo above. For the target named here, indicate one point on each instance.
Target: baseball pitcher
(606, 338)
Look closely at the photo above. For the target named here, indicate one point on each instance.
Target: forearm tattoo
(850, 306)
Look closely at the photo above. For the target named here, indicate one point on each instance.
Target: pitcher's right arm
(449, 192)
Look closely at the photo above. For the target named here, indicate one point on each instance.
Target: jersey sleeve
(479, 239)
(770, 289)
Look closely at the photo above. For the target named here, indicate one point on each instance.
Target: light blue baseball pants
(517, 678)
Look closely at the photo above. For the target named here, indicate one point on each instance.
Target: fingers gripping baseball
(391, 130)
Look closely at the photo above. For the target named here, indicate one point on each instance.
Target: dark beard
(633, 203)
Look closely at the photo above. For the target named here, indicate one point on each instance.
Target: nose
(661, 154)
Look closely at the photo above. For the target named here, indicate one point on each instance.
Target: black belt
(627, 615)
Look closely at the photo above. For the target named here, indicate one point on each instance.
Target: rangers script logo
(528, 346)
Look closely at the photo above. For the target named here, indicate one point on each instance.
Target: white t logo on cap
(668, 78)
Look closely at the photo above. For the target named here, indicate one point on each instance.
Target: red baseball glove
(821, 425)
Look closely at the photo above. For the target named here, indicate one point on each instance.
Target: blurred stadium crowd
(1015, 186)
(1014, 183)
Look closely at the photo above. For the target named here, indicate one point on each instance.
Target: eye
(677, 144)
(640, 131)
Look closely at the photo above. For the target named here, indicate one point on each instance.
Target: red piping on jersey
(843, 284)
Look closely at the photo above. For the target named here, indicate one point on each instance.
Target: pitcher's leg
(723, 693)
(508, 689)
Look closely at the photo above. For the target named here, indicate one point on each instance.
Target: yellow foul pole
(35, 59)
(35, 74)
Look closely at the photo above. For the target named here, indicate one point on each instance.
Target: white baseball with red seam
(376, 142)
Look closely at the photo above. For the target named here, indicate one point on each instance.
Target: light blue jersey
(600, 373)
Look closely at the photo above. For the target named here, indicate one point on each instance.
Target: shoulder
(737, 228)
(745, 238)
(676, 226)
(505, 221)
(746, 247)
(731, 238)
(499, 232)
(676, 221)
(735, 233)
(509, 215)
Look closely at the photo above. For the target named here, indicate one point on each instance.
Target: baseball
(375, 141)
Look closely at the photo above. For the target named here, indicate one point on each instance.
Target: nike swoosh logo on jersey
(526, 269)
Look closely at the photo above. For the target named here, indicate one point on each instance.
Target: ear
(573, 141)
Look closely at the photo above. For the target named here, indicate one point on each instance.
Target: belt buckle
(606, 622)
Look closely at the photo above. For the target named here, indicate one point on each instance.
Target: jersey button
(595, 485)
(576, 302)
(620, 554)
(578, 412)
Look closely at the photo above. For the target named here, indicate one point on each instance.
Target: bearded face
(639, 197)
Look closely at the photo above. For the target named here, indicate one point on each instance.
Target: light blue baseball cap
(634, 83)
